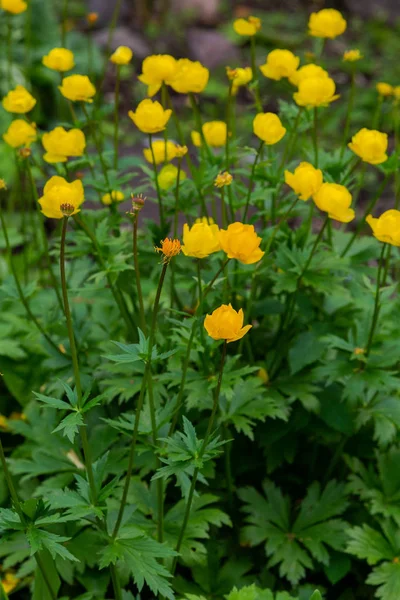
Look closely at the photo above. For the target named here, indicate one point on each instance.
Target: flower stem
(137, 275)
(64, 18)
(315, 137)
(284, 217)
(200, 456)
(159, 195)
(9, 53)
(348, 115)
(250, 187)
(98, 146)
(199, 125)
(116, 116)
(255, 74)
(376, 304)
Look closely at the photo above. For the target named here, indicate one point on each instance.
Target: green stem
(348, 115)
(284, 217)
(159, 482)
(313, 249)
(9, 52)
(159, 195)
(256, 82)
(223, 209)
(315, 137)
(377, 113)
(115, 581)
(176, 212)
(164, 102)
(199, 125)
(376, 304)
(228, 127)
(98, 146)
(116, 116)
(250, 187)
(64, 18)
(90, 52)
(137, 275)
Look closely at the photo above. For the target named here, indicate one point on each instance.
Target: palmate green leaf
(306, 349)
(369, 544)
(70, 425)
(252, 592)
(39, 539)
(52, 402)
(387, 577)
(9, 520)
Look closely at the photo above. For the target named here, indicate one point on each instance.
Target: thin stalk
(377, 113)
(223, 208)
(315, 137)
(116, 582)
(159, 482)
(159, 194)
(9, 52)
(348, 114)
(98, 147)
(313, 249)
(284, 217)
(250, 188)
(175, 230)
(200, 456)
(111, 30)
(64, 18)
(228, 121)
(164, 102)
(199, 125)
(255, 74)
(376, 304)
(116, 116)
(90, 52)
(21, 295)
(137, 275)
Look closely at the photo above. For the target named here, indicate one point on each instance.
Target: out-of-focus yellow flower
(156, 70)
(121, 56)
(206, 220)
(59, 59)
(386, 228)
(14, 7)
(61, 144)
(9, 582)
(61, 198)
(18, 101)
(114, 196)
(241, 242)
(17, 416)
(214, 132)
(268, 127)
(169, 248)
(223, 179)
(162, 151)
(168, 175)
(190, 77)
(263, 375)
(3, 184)
(305, 181)
(316, 91)
(352, 55)
(306, 72)
(247, 27)
(200, 240)
(92, 18)
(77, 88)
(180, 151)
(225, 323)
(24, 152)
(20, 133)
(335, 200)
(358, 351)
(396, 92)
(279, 64)
(3, 423)
(150, 117)
(384, 89)
(370, 145)
(327, 23)
(240, 76)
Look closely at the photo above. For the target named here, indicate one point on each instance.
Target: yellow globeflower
(387, 227)
(305, 181)
(352, 56)
(77, 88)
(240, 76)
(384, 89)
(225, 323)
(327, 23)
(335, 200)
(114, 196)
(15, 7)
(223, 179)
(121, 56)
(9, 582)
(214, 132)
(59, 59)
(61, 198)
(20, 133)
(247, 27)
(92, 18)
(316, 91)
(396, 92)
(190, 77)
(156, 70)
(169, 248)
(306, 72)
(162, 151)
(241, 242)
(150, 117)
(61, 144)
(370, 145)
(168, 175)
(268, 127)
(18, 101)
(200, 240)
(279, 64)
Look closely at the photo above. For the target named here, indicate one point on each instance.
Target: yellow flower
(20, 133)
(370, 145)
(335, 199)
(168, 175)
(18, 101)
(240, 76)
(279, 64)
(180, 151)
(396, 92)
(305, 181)
(200, 240)
(3, 184)
(384, 89)
(121, 56)
(15, 7)
(9, 582)
(3, 423)
(263, 375)
(248, 26)
(150, 117)
(92, 18)
(214, 133)
(386, 228)
(268, 127)
(225, 323)
(169, 249)
(352, 56)
(306, 72)
(327, 23)
(114, 196)
(77, 88)
(223, 179)
(162, 151)
(190, 77)
(61, 198)
(241, 242)
(316, 91)
(61, 144)
(59, 59)
(156, 70)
